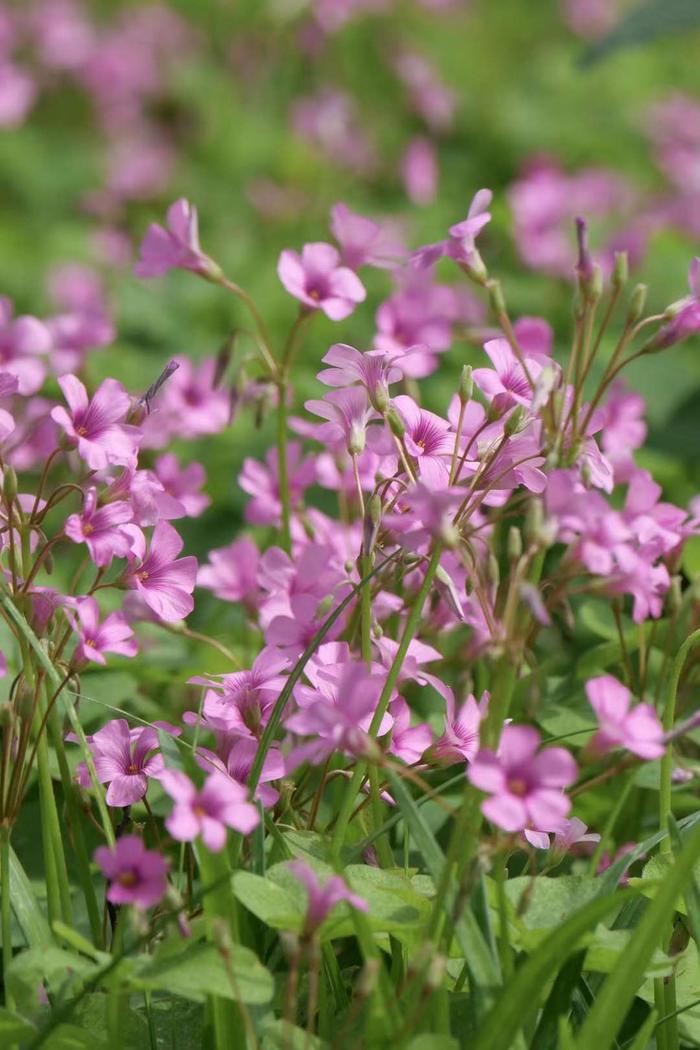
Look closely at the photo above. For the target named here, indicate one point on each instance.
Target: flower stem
(5, 892)
(410, 629)
(668, 718)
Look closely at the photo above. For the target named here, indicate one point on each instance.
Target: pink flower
(638, 729)
(100, 529)
(183, 483)
(428, 439)
(95, 639)
(8, 387)
(231, 572)
(137, 875)
(189, 406)
(176, 247)
(219, 804)
(164, 581)
(322, 899)
(374, 369)
(17, 94)
(686, 318)
(460, 737)
(317, 279)
(430, 98)
(525, 787)
(244, 699)
(408, 742)
(506, 380)
(22, 340)
(461, 243)
(125, 759)
(348, 413)
(419, 171)
(94, 425)
(362, 241)
(262, 483)
(574, 833)
(337, 712)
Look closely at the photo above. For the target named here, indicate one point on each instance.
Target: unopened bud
(584, 263)
(7, 714)
(515, 543)
(493, 570)
(595, 287)
(515, 421)
(466, 384)
(621, 269)
(637, 303)
(435, 973)
(533, 519)
(223, 360)
(324, 607)
(396, 424)
(368, 980)
(9, 485)
(446, 586)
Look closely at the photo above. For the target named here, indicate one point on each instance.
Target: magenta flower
(183, 483)
(317, 280)
(232, 572)
(348, 412)
(362, 241)
(428, 439)
(374, 369)
(419, 171)
(207, 812)
(99, 528)
(125, 759)
(164, 581)
(322, 899)
(188, 406)
(461, 243)
(136, 875)
(261, 481)
(460, 736)
(176, 247)
(408, 742)
(113, 635)
(572, 833)
(525, 787)
(8, 387)
(506, 380)
(94, 426)
(686, 317)
(244, 699)
(336, 712)
(22, 339)
(637, 729)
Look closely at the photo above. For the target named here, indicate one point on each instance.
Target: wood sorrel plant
(373, 829)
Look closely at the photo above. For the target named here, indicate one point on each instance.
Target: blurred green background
(521, 90)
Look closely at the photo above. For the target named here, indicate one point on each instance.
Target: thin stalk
(6, 899)
(410, 629)
(668, 718)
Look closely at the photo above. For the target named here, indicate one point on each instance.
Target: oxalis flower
(525, 785)
(317, 279)
(175, 247)
(323, 898)
(219, 804)
(95, 427)
(125, 759)
(637, 728)
(164, 581)
(136, 875)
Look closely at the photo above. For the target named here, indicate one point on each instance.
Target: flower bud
(515, 543)
(9, 485)
(395, 422)
(675, 595)
(637, 303)
(493, 571)
(448, 591)
(466, 385)
(533, 519)
(515, 422)
(7, 715)
(584, 263)
(621, 269)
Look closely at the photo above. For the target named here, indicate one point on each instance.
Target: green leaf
(483, 968)
(690, 559)
(520, 999)
(13, 1027)
(199, 970)
(282, 1035)
(641, 1039)
(25, 906)
(275, 905)
(433, 1042)
(650, 20)
(60, 969)
(692, 893)
(619, 989)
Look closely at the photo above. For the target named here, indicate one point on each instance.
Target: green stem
(283, 467)
(5, 893)
(668, 718)
(220, 906)
(46, 803)
(409, 632)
